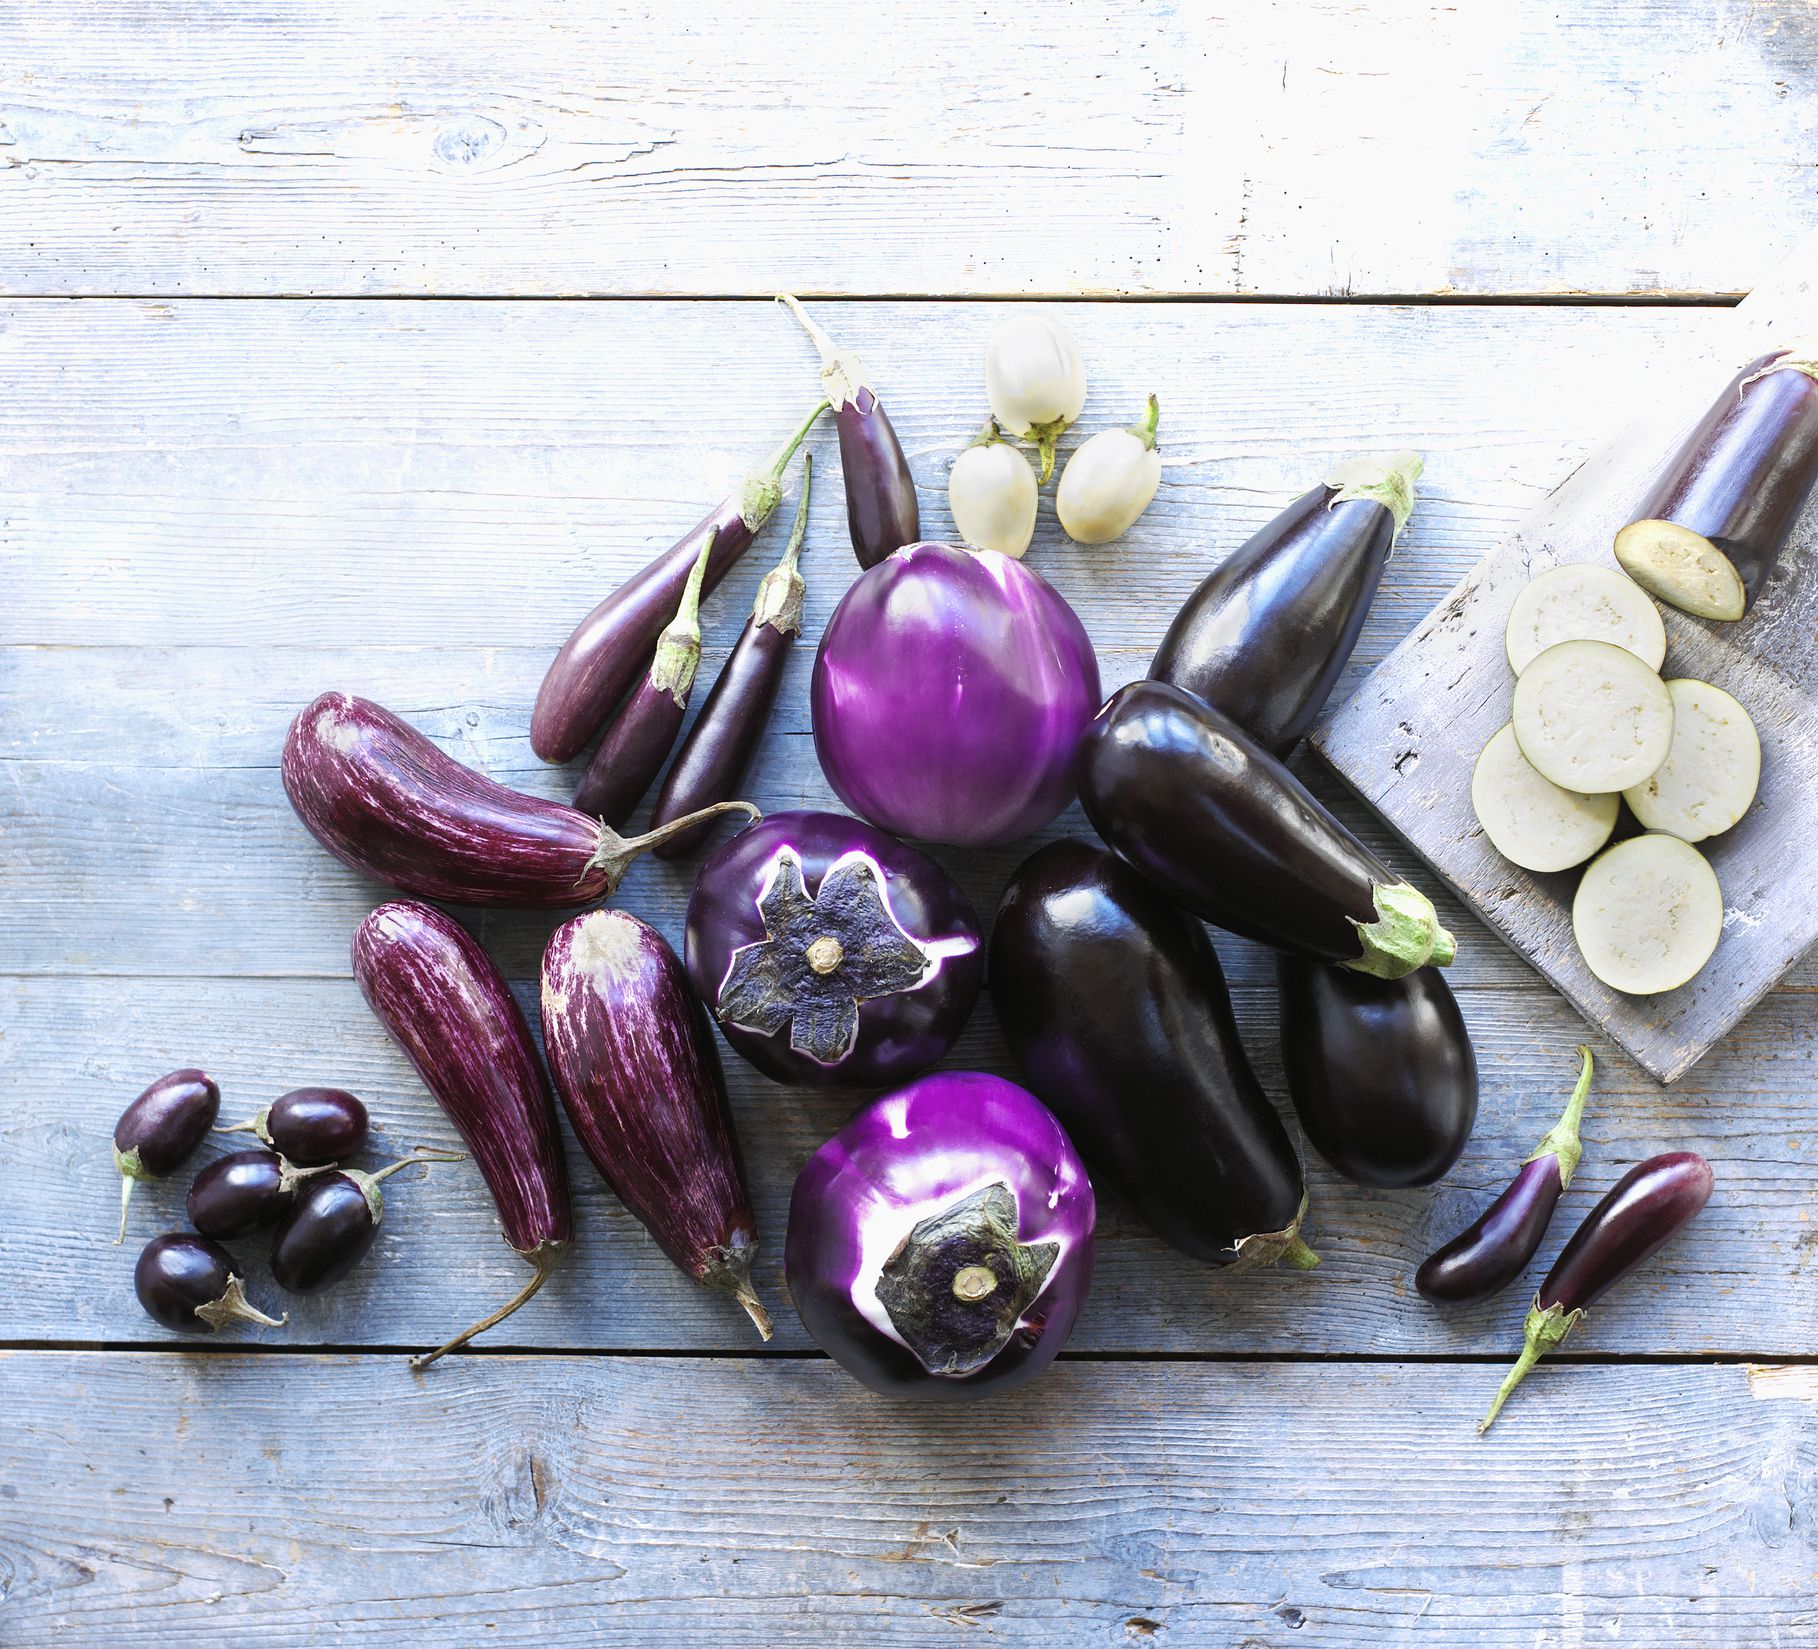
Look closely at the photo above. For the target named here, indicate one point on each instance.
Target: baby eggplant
(1034, 380)
(310, 1126)
(332, 1223)
(1109, 481)
(243, 1192)
(160, 1128)
(992, 493)
(188, 1283)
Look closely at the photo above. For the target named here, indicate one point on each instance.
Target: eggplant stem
(842, 374)
(763, 489)
(127, 1182)
(1545, 1329)
(1298, 1255)
(1562, 1139)
(406, 1162)
(253, 1125)
(787, 450)
(233, 1306)
(1405, 935)
(290, 1176)
(1263, 1248)
(1388, 479)
(1145, 431)
(615, 852)
(544, 1259)
(754, 1309)
(989, 436)
(1043, 437)
(780, 591)
(678, 649)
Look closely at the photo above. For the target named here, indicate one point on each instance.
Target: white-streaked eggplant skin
(635, 1063)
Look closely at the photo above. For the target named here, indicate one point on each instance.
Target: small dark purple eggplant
(1490, 1253)
(1381, 1071)
(332, 1223)
(309, 1126)
(243, 1192)
(188, 1283)
(1652, 1203)
(160, 1128)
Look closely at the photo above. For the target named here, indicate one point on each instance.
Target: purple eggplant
(387, 802)
(160, 1128)
(940, 1244)
(881, 511)
(1640, 1214)
(188, 1283)
(1710, 534)
(1180, 792)
(437, 992)
(1381, 1071)
(310, 1126)
(1492, 1251)
(634, 1061)
(832, 953)
(1114, 1006)
(331, 1224)
(714, 758)
(612, 645)
(244, 1192)
(1267, 634)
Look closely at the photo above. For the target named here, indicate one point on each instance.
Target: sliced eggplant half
(1531, 821)
(1712, 768)
(1592, 717)
(1648, 914)
(1581, 602)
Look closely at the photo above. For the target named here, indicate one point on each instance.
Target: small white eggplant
(1110, 481)
(1034, 380)
(992, 494)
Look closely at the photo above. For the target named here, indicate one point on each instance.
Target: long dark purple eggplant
(160, 1128)
(715, 756)
(881, 512)
(1219, 825)
(640, 736)
(635, 1063)
(1115, 1008)
(1710, 534)
(1267, 634)
(610, 647)
(1381, 1071)
(1652, 1203)
(389, 803)
(1491, 1252)
(445, 1004)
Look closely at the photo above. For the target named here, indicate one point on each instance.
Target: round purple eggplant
(940, 1244)
(832, 953)
(331, 1224)
(1115, 1009)
(244, 1192)
(160, 1128)
(309, 1126)
(188, 1283)
(1381, 1071)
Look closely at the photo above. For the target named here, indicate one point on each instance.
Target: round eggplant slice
(1712, 768)
(1581, 602)
(1592, 717)
(1530, 820)
(1648, 915)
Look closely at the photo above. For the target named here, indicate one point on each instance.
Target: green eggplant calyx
(1387, 478)
(1562, 1139)
(1405, 935)
(1042, 437)
(678, 649)
(1545, 1328)
(842, 373)
(1285, 1246)
(763, 489)
(782, 590)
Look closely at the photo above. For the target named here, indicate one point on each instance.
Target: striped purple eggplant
(445, 1004)
(635, 1063)
(160, 1128)
(389, 803)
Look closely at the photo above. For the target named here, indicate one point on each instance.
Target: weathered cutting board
(1406, 741)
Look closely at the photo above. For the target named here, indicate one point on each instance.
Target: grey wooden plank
(221, 1501)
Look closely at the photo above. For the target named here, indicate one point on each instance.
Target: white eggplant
(1109, 481)
(1035, 381)
(1592, 717)
(1648, 914)
(1530, 820)
(1581, 602)
(992, 494)
(1709, 776)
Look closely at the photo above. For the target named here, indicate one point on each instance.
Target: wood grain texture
(623, 147)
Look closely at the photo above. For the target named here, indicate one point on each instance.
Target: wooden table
(267, 428)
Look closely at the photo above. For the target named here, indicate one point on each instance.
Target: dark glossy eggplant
(1219, 825)
(1114, 1006)
(1709, 535)
(332, 1223)
(1267, 634)
(447, 1007)
(243, 1192)
(1491, 1252)
(1651, 1204)
(387, 802)
(881, 512)
(1381, 1071)
(188, 1283)
(160, 1128)
(635, 1063)
(309, 1126)
(597, 664)
(713, 760)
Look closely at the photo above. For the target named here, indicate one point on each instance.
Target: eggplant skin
(1490, 1253)
(881, 511)
(1638, 1215)
(1381, 1071)
(1115, 1009)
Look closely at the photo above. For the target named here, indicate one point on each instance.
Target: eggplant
(160, 1128)
(1651, 1204)
(446, 1006)
(1490, 1253)
(1709, 535)
(331, 1224)
(387, 802)
(881, 512)
(1115, 1009)
(830, 952)
(188, 1283)
(610, 647)
(1180, 792)
(1381, 1071)
(635, 1063)
(1267, 634)
(243, 1192)
(714, 758)
(309, 1126)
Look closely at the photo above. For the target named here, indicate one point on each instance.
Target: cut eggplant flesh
(1530, 820)
(1648, 914)
(1683, 568)
(1582, 602)
(1592, 717)
(1709, 777)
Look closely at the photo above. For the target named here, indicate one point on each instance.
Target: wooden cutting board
(1407, 739)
